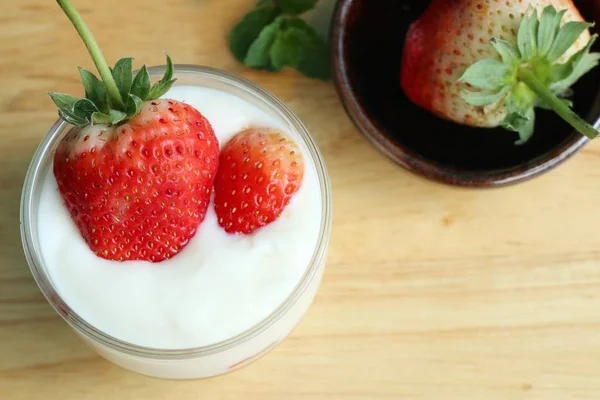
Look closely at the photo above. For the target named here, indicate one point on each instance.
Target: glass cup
(214, 359)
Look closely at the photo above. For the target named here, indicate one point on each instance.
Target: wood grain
(431, 292)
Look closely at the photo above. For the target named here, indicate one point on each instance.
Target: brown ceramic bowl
(367, 41)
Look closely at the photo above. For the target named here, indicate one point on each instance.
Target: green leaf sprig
(273, 36)
(527, 74)
(115, 98)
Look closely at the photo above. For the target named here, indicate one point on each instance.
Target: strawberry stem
(94, 50)
(528, 77)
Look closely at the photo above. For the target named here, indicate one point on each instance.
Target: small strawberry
(490, 63)
(135, 172)
(259, 172)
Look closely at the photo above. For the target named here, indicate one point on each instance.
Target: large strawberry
(490, 63)
(135, 172)
(259, 172)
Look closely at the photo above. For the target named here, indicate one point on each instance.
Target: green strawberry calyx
(115, 98)
(528, 74)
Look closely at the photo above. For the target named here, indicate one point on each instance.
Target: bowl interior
(368, 38)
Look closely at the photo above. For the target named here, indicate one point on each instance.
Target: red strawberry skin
(450, 36)
(259, 173)
(139, 191)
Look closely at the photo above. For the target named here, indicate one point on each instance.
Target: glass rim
(79, 324)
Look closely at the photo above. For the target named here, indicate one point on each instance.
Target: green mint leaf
(547, 30)
(270, 67)
(290, 48)
(508, 51)
(161, 87)
(65, 104)
(483, 98)
(316, 63)
(84, 108)
(487, 74)
(141, 83)
(123, 75)
(296, 7)
(567, 35)
(265, 3)
(258, 53)
(100, 118)
(247, 30)
(94, 89)
(133, 105)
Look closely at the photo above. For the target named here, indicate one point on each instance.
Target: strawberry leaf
(65, 104)
(247, 30)
(580, 63)
(116, 116)
(100, 118)
(118, 95)
(565, 38)
(533, 33)
(63, 101)
(487, 74)
(549, 25)
(523, 37)
(508, 51)
(560, 72)
(94, 89)
(133, 105)
(529, 76)
(123, 76)
(483, 98)
(296, 7)
(84, 109)
(141, 83)
(113, 118)
(522, 124)
(69, 118)
(161, 87)
(585, 65)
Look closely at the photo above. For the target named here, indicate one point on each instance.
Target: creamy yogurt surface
(218, 286)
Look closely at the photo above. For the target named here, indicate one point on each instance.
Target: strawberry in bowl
(409, 94)
(490, 64)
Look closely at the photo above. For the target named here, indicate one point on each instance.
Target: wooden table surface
(430, 292)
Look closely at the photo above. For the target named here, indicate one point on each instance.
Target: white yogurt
(219, 286)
